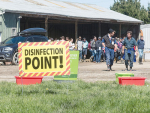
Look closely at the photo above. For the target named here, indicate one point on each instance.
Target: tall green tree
(131, 8)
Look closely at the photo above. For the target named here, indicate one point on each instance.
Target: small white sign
(100, 48)
(112, 42)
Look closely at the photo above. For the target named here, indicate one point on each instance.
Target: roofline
(72, 17)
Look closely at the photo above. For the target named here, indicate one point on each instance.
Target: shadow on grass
(19, 92)
(51, 92)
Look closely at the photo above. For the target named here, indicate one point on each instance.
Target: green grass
(81, 97)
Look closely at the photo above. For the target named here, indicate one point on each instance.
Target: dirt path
(89, 72)
(92, 72)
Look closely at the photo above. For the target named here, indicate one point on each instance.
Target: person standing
(103, 54)
(52, 40)
(85, 47)
(120, 50)
(62, 38)
(141, 44)
(128, 44)
(71, 44)
(89, 47)
(79, 47)
(98, 47)
(93, 49)
(67, 39)
(116, 50)
(49, 39)
(56, 40)
(109, 44)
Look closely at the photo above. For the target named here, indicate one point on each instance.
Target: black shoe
(126, 68)
(130, 69)
(140, 61)
(110, 68)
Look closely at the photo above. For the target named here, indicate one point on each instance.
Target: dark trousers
(109, 56)
(98, 55)
(129, 57)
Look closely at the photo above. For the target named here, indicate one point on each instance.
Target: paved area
(89, 72)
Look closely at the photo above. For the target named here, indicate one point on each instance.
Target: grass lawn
(81, 97)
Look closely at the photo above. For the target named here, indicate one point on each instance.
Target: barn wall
(9, 23)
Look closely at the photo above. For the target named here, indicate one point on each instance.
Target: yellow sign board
(43, 58)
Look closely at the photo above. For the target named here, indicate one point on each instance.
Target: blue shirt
(85, 44)
(129, 44)
(141, 44)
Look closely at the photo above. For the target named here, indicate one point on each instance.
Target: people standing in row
(79, 47)
(98, 47)
(128, 45)
(85, 47)
(141, 44)
(109, 44)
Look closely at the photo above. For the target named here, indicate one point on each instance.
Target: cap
(99, 37)
(84, 38)
(111, 30)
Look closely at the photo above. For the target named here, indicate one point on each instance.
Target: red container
(28, 80)
(139, 81)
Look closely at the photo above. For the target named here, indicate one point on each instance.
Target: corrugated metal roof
(59, 8)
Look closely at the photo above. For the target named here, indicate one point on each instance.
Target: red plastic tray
(139, 81)
(28, 80)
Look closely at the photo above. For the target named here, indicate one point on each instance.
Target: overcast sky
(104, 3)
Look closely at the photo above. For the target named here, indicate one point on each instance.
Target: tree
(131, 8)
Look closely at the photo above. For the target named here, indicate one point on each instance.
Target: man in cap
(98, 47)
(109, 44)
(128, 45)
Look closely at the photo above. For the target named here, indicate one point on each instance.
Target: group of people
(94, 47)
(109, 48)
(62, 38)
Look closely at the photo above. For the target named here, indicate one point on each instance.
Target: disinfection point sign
(44, 59)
